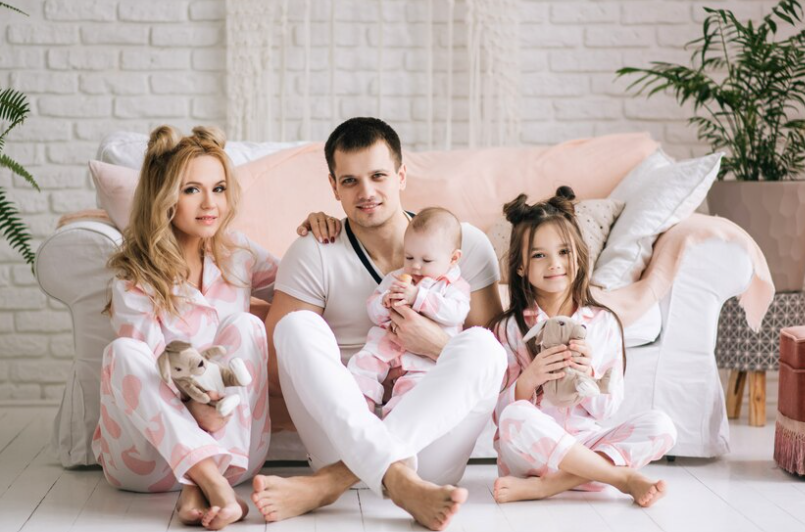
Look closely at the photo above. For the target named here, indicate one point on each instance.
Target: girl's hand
(325, 228)
(207, 416)
(548, 365)
(582, 356)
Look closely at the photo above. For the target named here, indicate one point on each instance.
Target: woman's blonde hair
(150, 256)
(560, 212)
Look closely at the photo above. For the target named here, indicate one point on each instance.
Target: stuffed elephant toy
(575, 386)
(195, 374)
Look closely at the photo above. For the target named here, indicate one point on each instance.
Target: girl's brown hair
(150, 255)
(526, 219)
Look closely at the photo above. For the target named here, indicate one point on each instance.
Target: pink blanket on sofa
(631, 302)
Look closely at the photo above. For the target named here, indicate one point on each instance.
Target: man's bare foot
(643, 490)
(191, 505)
(510, 489)
(280, 498)
(225, 507)
(432, 506)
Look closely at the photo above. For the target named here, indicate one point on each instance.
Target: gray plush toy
(571, 389)
(195, 374)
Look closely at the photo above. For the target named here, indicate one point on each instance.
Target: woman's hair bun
(210, 134)
(163, 139)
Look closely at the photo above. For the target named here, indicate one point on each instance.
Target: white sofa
(670, 360)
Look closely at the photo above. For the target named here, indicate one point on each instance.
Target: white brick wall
(90, 67)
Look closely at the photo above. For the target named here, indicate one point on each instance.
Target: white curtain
(260, 43)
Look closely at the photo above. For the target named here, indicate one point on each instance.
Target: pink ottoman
(789, 434)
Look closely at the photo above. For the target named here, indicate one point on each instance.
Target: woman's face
(203, 201)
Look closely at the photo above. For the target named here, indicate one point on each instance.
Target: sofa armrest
(71, 267)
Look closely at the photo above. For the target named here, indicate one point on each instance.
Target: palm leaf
(13, 229)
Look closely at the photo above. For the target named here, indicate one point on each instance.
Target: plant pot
(773, 213)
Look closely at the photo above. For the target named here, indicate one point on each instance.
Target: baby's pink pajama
(534, 436)
(146, 439)
(445, 300)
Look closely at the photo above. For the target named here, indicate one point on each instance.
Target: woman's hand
(416, 333)
(207, 416)
(582, 359)
(548, 365)
(324, 227)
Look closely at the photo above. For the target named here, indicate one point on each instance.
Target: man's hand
(207, 416)
(416, 333)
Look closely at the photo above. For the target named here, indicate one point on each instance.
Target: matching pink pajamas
(146, 439)
(534, 436)
(445, 300)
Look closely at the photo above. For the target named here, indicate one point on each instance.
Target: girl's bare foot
(643, 490)
(225, 507)
(432, 506)
(191, 505)
(280, 498)
(510, 489)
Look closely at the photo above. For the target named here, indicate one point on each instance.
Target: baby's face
(428, 254)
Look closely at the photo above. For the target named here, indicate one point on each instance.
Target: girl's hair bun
(566, 192)
(517, 210)
(163, 140)
(210, 134)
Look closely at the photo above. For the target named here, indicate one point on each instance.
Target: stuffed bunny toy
(196, 373)
(575, 385)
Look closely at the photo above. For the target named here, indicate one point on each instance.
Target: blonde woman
(181, 274)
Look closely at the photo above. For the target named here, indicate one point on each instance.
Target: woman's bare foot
(643, 490)
(432, 506)
(225, 507)
(191, 505)
(279, 498)
(510, 489)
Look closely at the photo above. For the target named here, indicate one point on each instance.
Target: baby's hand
(402, 292)
(387, 300)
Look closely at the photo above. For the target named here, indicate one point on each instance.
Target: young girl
(181, 275)
(544, 450)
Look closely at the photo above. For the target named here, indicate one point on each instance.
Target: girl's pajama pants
(532, 443)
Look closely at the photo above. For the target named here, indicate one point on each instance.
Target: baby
(431, 284)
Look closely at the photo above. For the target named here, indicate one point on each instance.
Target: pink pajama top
(252, 272)
(604, 340)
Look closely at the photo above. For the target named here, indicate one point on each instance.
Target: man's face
(367, 185)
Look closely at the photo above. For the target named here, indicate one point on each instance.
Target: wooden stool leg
(757, 398)
(735, 393)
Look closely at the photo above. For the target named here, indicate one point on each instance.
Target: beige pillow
(595, 219)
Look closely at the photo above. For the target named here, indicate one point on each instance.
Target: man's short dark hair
(360, 133)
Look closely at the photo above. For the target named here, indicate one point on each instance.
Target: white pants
(434, 426)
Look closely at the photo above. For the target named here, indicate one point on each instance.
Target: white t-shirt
(331, 276)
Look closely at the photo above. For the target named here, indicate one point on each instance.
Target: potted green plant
(13, 112)
(747, 86)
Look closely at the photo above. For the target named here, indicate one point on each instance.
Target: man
(318, 320)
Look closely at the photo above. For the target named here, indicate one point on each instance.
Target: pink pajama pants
(147, 440)
(532, 443)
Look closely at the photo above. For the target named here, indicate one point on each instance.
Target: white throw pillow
(595, 218)
(659, 193)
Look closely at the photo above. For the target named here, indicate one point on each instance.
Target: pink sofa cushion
(281, 188)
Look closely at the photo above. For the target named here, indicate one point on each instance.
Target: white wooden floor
(742, 492)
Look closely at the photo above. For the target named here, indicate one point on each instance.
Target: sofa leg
(735, 393)
(757, 398)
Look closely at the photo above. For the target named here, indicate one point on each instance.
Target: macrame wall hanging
(259, 43)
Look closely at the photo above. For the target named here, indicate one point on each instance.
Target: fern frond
(14, 166)
(12, 8)
(13, 229)
(13, 106)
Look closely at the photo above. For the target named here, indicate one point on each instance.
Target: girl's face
(202, 202)
(550, 270)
